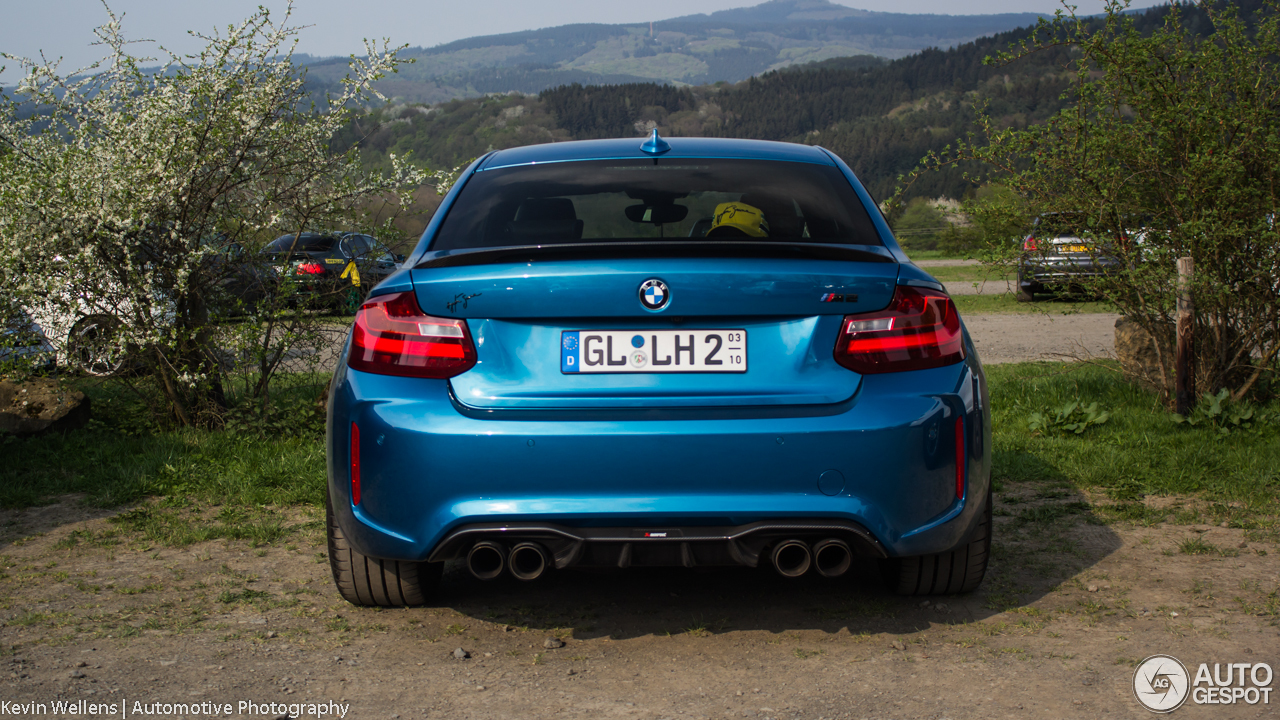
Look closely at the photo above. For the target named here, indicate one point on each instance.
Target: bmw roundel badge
(654, 294)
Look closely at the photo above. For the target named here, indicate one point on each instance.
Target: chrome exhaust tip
(791, 558)
(486, 560)
(528, 561)
(832, 557)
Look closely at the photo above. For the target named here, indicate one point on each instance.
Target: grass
(917, 255)
(969, 273)
(1138, 452)
(113, 463)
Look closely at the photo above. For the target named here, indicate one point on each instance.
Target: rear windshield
(629, 200)
(306, 243)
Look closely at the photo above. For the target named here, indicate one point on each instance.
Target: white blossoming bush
(137, 199)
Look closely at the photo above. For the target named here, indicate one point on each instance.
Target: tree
(122, 189)
(1169, 147)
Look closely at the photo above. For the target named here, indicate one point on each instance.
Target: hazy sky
(65, 27)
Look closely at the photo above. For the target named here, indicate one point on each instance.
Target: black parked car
(336, 268)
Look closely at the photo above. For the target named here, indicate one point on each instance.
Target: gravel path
(1013, 337)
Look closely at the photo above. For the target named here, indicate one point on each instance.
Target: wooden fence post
(1184, 361)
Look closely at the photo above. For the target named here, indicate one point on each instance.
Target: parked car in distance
(22, 341)
(1057, 255)
(560, 376)
(337, 268)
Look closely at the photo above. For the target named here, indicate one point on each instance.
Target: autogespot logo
(1162, 684)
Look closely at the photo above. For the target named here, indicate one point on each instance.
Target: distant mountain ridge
(729, 45)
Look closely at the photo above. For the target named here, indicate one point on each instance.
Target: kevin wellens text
(143, 708)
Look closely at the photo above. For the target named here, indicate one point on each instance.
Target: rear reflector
(392, 336)
(961, 457)
(355, 464)
(919, 330)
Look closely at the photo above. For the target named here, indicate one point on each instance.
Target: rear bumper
(1062, 270)
(883, 462)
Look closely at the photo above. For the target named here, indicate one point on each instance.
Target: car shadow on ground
(1044, 537)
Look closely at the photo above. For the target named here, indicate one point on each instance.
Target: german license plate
(1076, 248)
(653, 351)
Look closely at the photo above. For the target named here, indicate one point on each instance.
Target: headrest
(536, 209)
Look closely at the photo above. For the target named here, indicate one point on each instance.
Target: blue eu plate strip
(569, 347)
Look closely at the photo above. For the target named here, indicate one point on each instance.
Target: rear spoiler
(673, 249)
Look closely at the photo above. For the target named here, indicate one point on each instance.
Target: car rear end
(563, 377)
(1058, 255)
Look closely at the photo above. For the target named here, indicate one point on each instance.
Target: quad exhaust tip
(528, 561)
(791, 558)
(486, 560)
(832, 557)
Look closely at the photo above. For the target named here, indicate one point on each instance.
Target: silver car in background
(1058, 254)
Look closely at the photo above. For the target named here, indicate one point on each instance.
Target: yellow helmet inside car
(739, 217)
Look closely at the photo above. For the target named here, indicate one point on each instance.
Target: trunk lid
(790, 309)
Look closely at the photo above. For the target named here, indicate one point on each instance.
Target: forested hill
(730, 45)
(881, 117)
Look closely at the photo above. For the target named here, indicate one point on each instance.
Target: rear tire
(363, 580)
(957, 571)
(1025, 295)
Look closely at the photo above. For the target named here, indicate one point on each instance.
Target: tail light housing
(309, 269)
(1030, 244)
(392, 336)
(919, 330)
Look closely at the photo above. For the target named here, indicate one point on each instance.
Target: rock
(1093, 588)
(41, 405)
(479, 688)
(1243, 545)
(461, 654)
(75, 674)
(897, 645)
(551, 643)
(1136, 351)
(82, 664)
(1173, 614)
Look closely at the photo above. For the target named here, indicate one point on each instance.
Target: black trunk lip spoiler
(672, 250)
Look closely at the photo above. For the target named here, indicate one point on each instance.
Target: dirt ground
(1009, 337)
(1070, 605)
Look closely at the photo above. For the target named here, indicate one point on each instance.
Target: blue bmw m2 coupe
(685, 352)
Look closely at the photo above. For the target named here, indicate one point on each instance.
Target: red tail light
(393, 336)
(355, 464)
(919, 330)
(309, 269)
(1030, 244)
